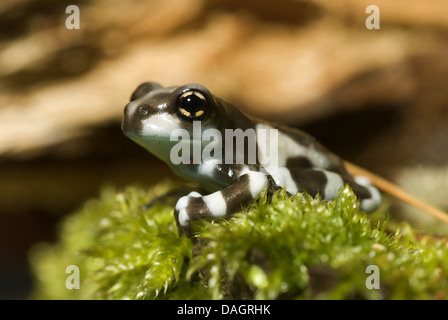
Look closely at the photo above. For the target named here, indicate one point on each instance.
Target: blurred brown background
(378, 98)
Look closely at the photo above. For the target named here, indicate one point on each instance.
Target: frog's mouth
(172, 152)
(143, 137)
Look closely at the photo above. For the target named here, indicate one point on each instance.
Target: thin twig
(397, 192)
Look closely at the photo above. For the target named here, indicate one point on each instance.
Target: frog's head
(154, 112)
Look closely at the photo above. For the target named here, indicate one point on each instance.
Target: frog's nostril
(143, 111)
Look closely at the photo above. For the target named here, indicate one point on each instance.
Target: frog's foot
(183, 212)
(219, 204)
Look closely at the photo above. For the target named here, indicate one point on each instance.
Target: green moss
(288, 248)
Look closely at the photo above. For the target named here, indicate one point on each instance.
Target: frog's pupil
(192, 103)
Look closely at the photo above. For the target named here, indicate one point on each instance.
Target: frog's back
(297, 149)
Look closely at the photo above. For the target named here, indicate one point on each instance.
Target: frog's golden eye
(192, 105)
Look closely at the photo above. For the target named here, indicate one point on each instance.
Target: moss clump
(287, 248)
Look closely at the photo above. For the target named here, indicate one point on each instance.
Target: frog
(302, 164)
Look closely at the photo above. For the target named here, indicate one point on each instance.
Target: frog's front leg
(228, 201)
